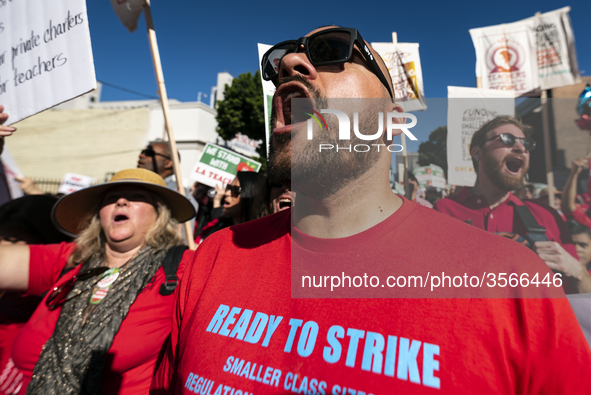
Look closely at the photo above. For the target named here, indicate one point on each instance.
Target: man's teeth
(292, 95)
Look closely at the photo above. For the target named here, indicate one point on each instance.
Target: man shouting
(260, 309)
(500, 152)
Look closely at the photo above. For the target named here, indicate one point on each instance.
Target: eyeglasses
(150, 152)
(234, 190)
(59, 294)
(331, 46)
(509, 140)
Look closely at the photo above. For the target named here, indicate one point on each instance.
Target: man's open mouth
(514, 165)
(284, 203)
(287, 113)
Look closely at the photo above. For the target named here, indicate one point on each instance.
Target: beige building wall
(194, 125)
(93, 138)
(571, 142)
(91, 142)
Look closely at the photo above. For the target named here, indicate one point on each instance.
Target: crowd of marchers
(101, 294)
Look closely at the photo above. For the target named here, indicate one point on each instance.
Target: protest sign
(468, 109)
(218, 166)
(404, 64)
(555, 48)
(74, 182)
(398, 188)
(430, 176)
(244, 144)
(45, 55)
(528, 55)
(505, 58)
(128, 11)
(11, 171)
(268, 92)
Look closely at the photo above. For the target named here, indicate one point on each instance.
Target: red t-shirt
(133, 354)
(466, 206)
(237, 330)
(206, 230)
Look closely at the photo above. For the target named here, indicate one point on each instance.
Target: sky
(199, 39)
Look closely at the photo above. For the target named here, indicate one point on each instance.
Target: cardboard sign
(468, 109)
(74, 182)
(404, 64)
(218, 166)
(45, 55)
(430, 176)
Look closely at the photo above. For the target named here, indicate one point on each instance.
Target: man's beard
(322, 174)
(279, 165)
(495, 171)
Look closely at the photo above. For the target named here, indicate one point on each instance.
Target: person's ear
(168, 164)
(393, 108)
(475, 153)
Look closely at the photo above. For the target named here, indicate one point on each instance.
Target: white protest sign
(398, 188)
(555, 48)
(74, 182)
(404, 64)
(45, 55)
(505, 58)
(11, 171)
(430, 176)
(527, 55)
(268, 92)
(218, 166)
(467, 110)
(244, 144)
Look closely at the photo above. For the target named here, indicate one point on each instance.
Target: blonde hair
(163, 235)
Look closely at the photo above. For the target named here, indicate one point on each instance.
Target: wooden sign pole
(166, 111)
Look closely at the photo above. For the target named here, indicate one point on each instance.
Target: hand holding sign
(219, 195)
(28, 186)
(218, 166)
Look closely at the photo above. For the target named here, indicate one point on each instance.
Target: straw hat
(71, 211)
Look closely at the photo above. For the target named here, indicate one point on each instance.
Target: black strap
(63, 273)
(204, 219)
(170, 264)
(536, 232)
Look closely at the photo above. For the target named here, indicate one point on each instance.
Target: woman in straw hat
(102, 324)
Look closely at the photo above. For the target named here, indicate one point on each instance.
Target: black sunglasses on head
(330, 46)
(509, 140)
(59, 294)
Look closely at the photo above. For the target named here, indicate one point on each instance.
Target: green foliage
(241, 111)
(263, 161)
(434, 150)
